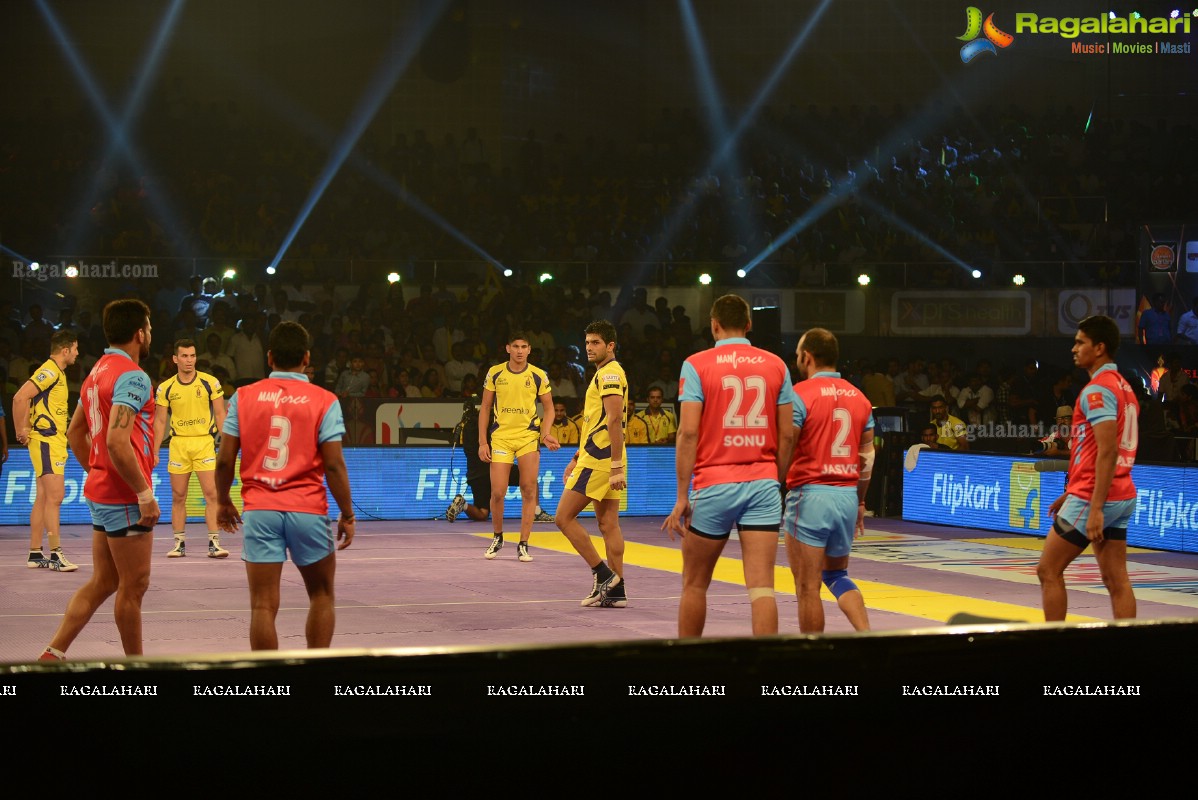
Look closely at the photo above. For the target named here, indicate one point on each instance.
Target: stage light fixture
(705, 279)
(740, 273)
(1019, 280)
(34, 267)
(72, 271)
(271, 270)
(544, 277)
(507, 272)
(392, 277)
(863, 279)
(977, 273)
(230, 273)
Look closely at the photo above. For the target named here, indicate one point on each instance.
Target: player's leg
(322, 615)
(806, 562)
(700, 552)
(89, 597)
(131, 555)
(207, 479)
(499, 474)
(569, 506)
(50, 492)
(759, 551)
(852, 603)
(39, 457)
(264, 603)
(264, 549)
(1112, 563)
(179, 468)
(607, 515)
(1064, 542)
(530, 469)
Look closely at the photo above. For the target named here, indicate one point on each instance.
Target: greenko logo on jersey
(1023, 504)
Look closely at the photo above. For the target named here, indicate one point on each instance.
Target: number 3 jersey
(830, 416)
(1108, 397)
(741, 388)
(282, 421)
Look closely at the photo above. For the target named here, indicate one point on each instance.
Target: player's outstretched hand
(678, 520)
(345, 531)
(227, 518)
(551, 442)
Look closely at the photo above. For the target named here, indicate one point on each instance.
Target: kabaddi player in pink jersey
(289, 432)
(1100, 497)
(734, 438)
(827, 482)
(111, 435)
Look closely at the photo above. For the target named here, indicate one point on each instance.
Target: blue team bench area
(1009, 493)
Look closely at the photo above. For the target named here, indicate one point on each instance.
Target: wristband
(145, 497)
(614, 465)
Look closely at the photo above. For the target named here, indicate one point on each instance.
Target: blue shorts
(270, 534)
(756, 505)
(822, 516)
(1075, 513)
(116, 520)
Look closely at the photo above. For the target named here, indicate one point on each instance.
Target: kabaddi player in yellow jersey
(39, 413)
(511, 392)
(595, 476)
(195, 403)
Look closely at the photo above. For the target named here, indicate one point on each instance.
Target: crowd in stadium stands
(977, 189)
(1005, 185)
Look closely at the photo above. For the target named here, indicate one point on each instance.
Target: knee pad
(838, 582)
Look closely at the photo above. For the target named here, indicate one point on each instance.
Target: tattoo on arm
(124, 417)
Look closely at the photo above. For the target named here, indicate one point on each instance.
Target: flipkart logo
(974, 27)
(1023, 505)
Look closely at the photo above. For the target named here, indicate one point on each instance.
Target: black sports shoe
(455, 508)
(543, 516)
(496, 546)
(601, 590)
(522, 552)
(617, 597)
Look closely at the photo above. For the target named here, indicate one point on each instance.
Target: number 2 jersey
(1107, 397)
(830, 416)
(741, 388)
(285, 420)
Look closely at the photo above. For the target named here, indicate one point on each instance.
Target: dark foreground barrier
(457, 694)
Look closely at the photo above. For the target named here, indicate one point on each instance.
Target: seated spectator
(929, 435)
(950, 431)
(659, 421)
(565, 430)
(433, 385)
(976, 402)
(878, 386)
(459, 367)
(354, 381)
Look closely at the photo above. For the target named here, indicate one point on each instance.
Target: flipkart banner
(1006, 493)
(387, 483)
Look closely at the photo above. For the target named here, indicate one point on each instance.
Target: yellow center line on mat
(937, 606)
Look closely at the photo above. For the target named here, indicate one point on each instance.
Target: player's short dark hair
(732, 312)
(288, 344)
(1101, 329)
(603, 329)
(123, 319)
(929, 427)
(938, 398)
(822, 345)
(182, 343)
(513, 336)
(62, 340)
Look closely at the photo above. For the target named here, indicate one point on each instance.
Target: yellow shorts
(190, 454)
(49, 456)
(508, 451)
(593, 483)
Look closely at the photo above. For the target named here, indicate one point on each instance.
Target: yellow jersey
(190, 404)
(514, 410)
(48, 416)
(636, 431)
(660, 426)
(595, 448)
(565, 431)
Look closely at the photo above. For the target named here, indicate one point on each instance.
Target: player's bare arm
(338, 479)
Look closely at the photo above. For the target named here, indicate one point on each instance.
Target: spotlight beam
(360, 118)
(682, 214)
(96, 97)
(118, 137)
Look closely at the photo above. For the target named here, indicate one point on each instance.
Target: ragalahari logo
(974, 27)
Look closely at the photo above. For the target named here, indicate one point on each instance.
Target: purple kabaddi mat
(426, 584)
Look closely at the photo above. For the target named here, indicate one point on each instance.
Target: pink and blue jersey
(741, 388)
(116, 380)
(830, 416)
(285, 420)
(1108, 397)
